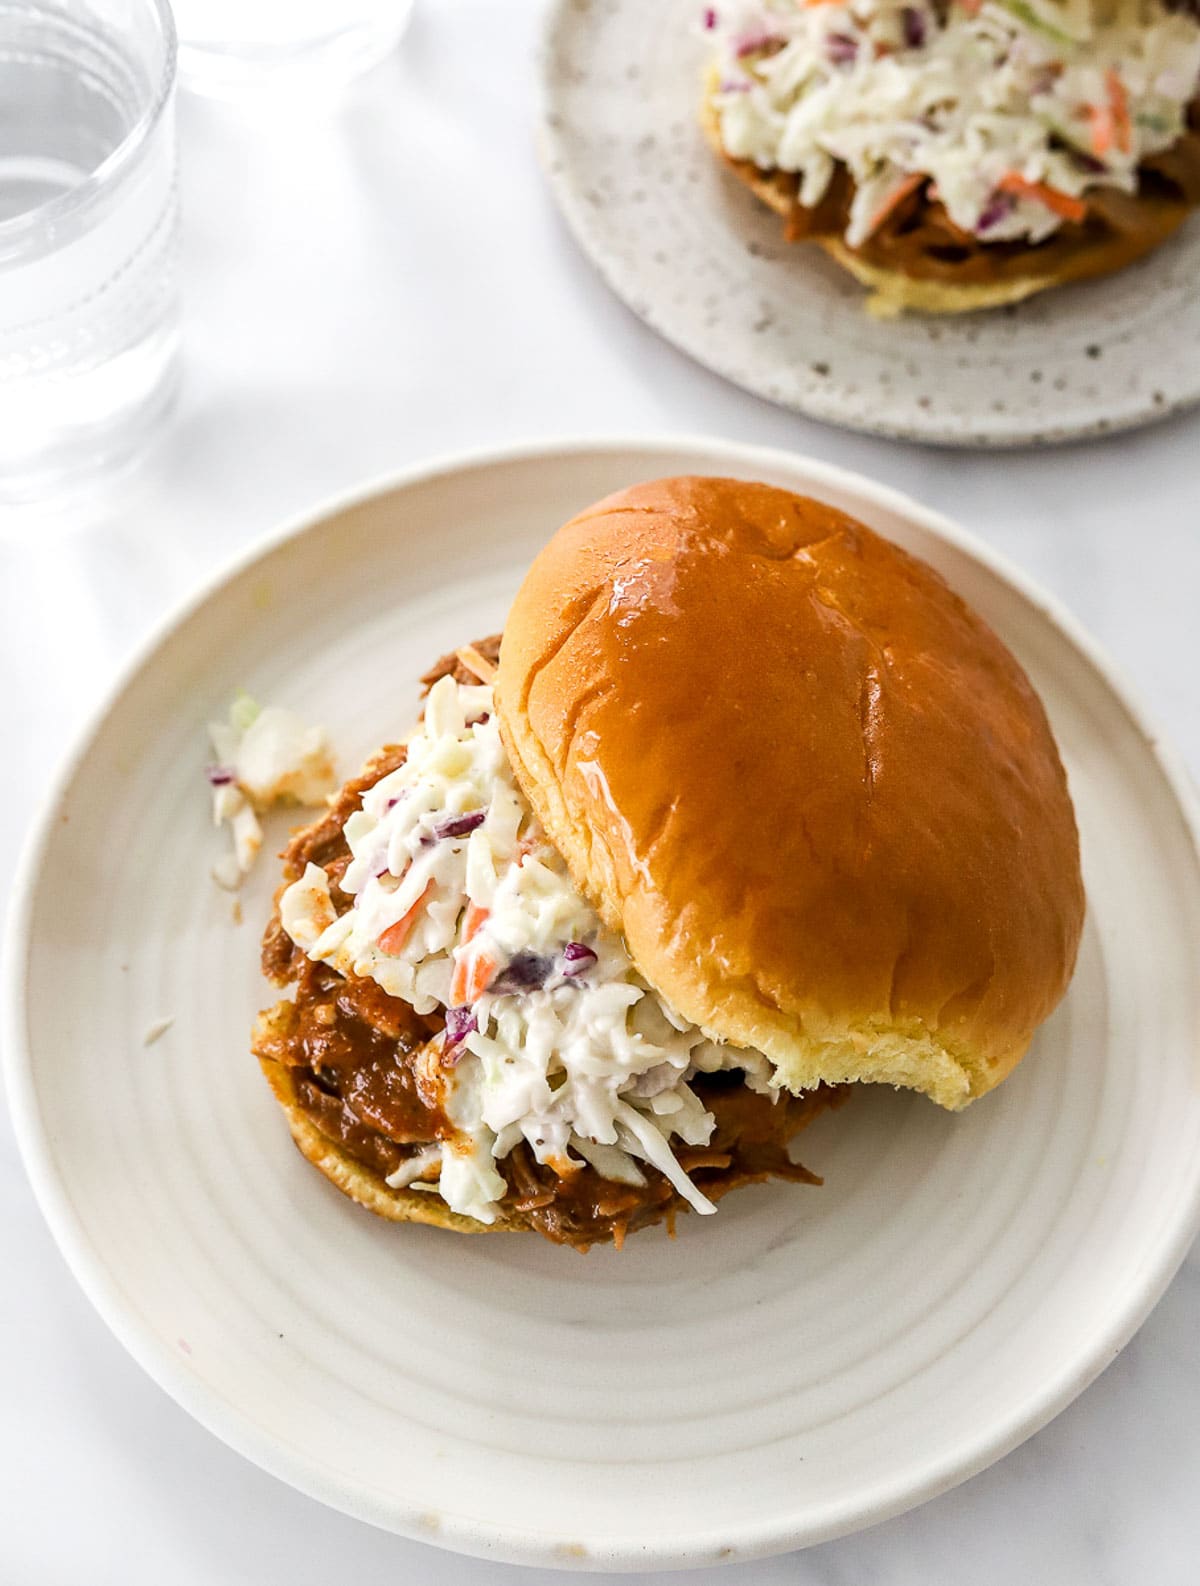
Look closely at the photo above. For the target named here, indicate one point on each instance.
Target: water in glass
(88, 234)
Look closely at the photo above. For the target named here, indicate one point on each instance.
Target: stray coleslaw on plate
(1013, 111)
(264, 756)
(551, 1036)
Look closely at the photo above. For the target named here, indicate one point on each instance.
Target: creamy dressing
(989, 104)
(552, 1037)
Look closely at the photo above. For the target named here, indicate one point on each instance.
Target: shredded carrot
(458, 982)
(1061, 203)
(1118, 110)
(622, 1228)
(897, 196)
(470, 969)
(473, 974)
(478, 665)
(393, 939)
(970, 7)
(1102, 129)
(482, 975)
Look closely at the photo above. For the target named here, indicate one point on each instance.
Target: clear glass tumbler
(89, 236)
(225, 44)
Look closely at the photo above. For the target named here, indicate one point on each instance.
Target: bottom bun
(893, 292)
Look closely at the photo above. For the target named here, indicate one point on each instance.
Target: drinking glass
(88, 235)
(225, 44)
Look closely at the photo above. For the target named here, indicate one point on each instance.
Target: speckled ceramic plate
(805, 1362)
(692, 252)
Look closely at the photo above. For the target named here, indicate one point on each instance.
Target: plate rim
(219, 1414)
(550, 144)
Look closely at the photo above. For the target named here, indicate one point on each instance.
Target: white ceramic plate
(804, 1363)
(693, 253)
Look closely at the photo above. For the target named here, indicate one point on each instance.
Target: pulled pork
(918, 239)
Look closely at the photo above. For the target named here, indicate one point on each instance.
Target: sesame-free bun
(808, 784)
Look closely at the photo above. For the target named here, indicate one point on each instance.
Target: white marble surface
(368, 283)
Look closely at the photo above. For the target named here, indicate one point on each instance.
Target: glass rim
(17, 233)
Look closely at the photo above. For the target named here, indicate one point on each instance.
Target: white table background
(370, 282)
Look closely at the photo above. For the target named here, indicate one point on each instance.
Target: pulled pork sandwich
(754, 808)
(961, 154)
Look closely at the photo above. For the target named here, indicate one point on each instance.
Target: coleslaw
(551, 1036)
(1011, 110)
(264, 756)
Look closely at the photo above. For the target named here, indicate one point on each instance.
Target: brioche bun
(811, 788)
(1065, 258)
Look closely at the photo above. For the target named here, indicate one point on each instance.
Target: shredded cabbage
(970, 98)
(265, 756)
